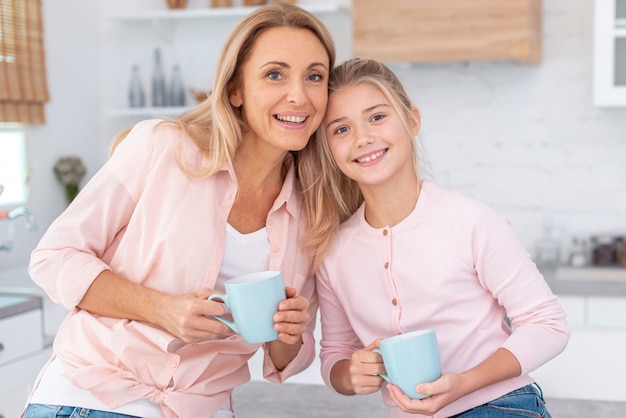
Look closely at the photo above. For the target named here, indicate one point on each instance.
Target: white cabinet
(597, 344)
(22, 351)
(17, 379)
(609, 84)
(20, 335)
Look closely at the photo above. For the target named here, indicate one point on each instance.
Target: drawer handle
(1, 348)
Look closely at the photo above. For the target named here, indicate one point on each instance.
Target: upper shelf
(211, 12)
(164, 20)
(166, 111)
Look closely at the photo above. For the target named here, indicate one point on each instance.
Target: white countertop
(588, 280)
(17, 282)
(16, 304)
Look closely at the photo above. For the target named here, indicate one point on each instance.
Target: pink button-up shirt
(453, 265)
(143, 218)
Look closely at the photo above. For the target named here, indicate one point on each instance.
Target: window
(13, 169)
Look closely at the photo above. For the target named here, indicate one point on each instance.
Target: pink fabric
(454, 265)
(122, 221)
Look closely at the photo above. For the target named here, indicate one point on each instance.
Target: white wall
(526, 139)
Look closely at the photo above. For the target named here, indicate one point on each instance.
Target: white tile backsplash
(527, 139)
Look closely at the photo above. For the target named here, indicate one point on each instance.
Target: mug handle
(228, 323)
(383, 375)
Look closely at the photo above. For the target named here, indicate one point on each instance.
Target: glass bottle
(578, 252)
(158, 81)
(136, 94)
(177, 88)
(549, 246)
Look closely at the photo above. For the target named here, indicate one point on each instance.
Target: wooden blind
(23, 85)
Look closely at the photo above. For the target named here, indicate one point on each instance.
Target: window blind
(23, 84)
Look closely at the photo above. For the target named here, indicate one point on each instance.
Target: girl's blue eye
(377, 117)
(341, 130)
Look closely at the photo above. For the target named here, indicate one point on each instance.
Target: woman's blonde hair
(215, 125)
(330, 196)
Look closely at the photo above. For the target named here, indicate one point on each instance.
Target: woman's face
(366, 136)
(284, 90)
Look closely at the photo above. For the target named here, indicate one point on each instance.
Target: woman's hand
(290, 322)
(188, 317)
(292, 317)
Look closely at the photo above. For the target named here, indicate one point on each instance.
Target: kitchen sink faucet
(12, 215)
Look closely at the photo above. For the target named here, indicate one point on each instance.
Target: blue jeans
(36, 410)
(526, 401)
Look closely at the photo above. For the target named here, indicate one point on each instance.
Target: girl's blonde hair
(215, 125)
(330, 196)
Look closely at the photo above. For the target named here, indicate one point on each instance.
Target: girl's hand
(292, 317)
(442, 391)
(365, 369)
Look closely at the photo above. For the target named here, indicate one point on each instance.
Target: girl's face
(366, 136)
(283, 94)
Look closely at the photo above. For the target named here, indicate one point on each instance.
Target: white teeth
(371, 157)
(291, 119)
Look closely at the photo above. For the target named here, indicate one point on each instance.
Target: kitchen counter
(590, 281)
(17, 282)
(11, 305)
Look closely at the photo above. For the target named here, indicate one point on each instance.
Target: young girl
(412, 255)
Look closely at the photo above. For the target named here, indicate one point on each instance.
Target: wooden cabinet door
(447, 30)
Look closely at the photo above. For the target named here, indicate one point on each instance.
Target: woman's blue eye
(274, 75)
(316, 77)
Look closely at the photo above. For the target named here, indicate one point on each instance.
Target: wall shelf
(210, 13)
(146, 111)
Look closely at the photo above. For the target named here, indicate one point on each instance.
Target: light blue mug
(253, 300)
(411, 358)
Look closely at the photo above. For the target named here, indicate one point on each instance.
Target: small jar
(621, 250)
(604, 252)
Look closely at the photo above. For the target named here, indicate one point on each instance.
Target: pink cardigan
(454, 265)
(141, 217)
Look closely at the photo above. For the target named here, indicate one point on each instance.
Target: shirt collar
(289, 193)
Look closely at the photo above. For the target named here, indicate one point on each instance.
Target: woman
(180, 207)
(412, 255)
